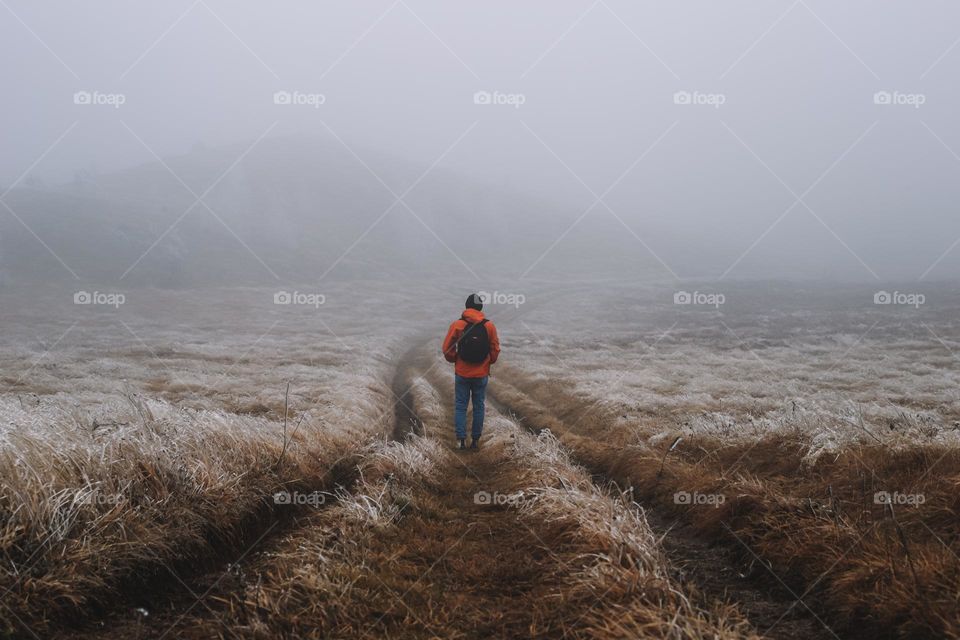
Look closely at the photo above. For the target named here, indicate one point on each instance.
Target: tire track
(442, 570)
(436, 380)
(405, 419)
(448, 564)
(169, 593)
(716, 571)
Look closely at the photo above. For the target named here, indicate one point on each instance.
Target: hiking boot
(474, 443)
(463, 444)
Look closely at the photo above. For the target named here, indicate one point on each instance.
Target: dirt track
(717, 572)
(454, 565)
(456, 569)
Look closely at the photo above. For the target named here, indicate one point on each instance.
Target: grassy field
(781, 464)
(812, 431)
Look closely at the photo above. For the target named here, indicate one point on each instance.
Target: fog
(189, 143)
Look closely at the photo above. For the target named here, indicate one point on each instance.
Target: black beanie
(473, 302)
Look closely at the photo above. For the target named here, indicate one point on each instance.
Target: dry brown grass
(621, 586)
(196, 467)
(874, 572)
(407, 552)
(94, 516)
(146, 444)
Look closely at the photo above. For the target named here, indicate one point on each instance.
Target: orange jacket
(470, 369)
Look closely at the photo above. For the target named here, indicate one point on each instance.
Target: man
(472, 344)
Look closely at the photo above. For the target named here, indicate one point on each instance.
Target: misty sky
(790, 139)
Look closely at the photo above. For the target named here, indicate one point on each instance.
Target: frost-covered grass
(152, 435)
(617, 582)
(802, 417)
(408, 552)
(827, 363)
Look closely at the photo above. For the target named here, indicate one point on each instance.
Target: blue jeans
(463, 389)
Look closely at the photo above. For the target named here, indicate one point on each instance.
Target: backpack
(474, 344)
